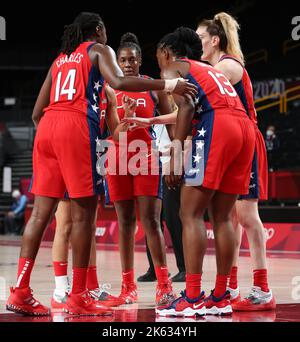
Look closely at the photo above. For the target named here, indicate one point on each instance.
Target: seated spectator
(272, 145)
(14, 219)
(25, 184)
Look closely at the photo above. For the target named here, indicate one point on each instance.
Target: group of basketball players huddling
(204, 78)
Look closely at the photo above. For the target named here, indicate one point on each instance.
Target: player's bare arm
(185, 104)
(184, 118)
(43, 99)
(105, 58)
(112, 117)
(231, 69)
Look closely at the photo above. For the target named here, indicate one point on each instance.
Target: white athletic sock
(61, 285)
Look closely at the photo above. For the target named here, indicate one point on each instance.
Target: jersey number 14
(67, 87)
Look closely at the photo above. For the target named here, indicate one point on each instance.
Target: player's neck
(216, 56)
(92, 39)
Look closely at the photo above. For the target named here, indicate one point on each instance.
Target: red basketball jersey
(146, 108)
(76, 83)
(214, 89)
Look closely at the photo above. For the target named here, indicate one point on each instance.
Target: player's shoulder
(179, 68)
(101, 48)
(231, 64)
(199, 67)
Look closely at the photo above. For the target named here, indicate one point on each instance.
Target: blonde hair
(226, 28)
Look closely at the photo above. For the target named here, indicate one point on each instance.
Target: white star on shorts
(200, 144)
(202, 132)
(199, 110)
(197, 158)
(95, 108)
(97, 85)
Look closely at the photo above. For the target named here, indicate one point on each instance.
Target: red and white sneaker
(128, 293)
(83, 304)
(235, 295)
(218, 306)
(22, 301)
(100, 294)
(183, 306)
(58, 302)
(257, 300)
(164, 294)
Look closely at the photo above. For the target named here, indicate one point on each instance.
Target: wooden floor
(284, 275)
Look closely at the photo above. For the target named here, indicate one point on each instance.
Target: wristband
(170, 85)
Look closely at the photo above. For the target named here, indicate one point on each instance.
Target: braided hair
(130, 40)
(183, 42)
(83, 27)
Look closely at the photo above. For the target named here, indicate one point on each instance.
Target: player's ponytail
(231, 28)
(226, 28)
(183, 42)
(130, 40)
(83, 28)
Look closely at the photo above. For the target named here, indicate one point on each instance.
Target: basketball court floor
(284, 279)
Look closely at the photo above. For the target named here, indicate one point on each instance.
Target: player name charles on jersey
(74, 58)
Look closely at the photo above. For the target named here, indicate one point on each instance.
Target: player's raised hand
(129, 106)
